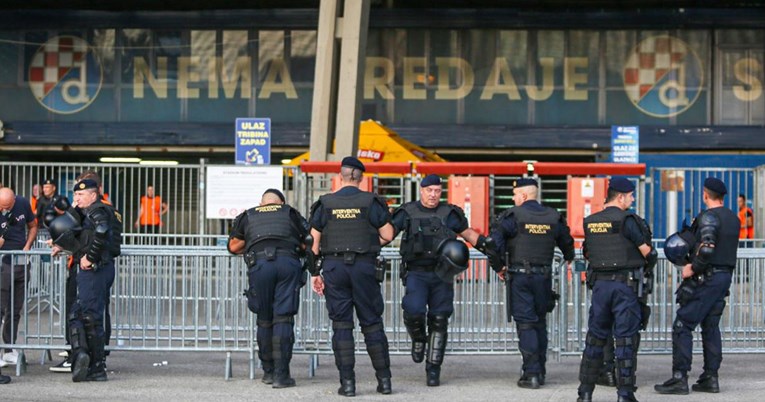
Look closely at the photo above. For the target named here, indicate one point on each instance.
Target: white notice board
(233, 189)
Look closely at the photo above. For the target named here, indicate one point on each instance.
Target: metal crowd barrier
(172, 299)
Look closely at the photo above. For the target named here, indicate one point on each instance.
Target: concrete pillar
(340, 54)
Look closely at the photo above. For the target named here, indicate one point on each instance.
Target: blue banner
(253, 141)
(625, 144)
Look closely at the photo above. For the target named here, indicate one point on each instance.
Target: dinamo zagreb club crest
(65, 75)
(663, 77)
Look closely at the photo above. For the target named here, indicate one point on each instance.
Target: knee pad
(633, 341)
(438, 322)
(342, 325)
(593, 341)
(265, 323)
(526, 326)
(415, 325)
(284, 319)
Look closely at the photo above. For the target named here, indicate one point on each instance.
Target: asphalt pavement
(189, 376)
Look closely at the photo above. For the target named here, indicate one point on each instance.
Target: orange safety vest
(150, 209)
(746, 232)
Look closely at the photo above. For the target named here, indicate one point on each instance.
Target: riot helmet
(453, 259)
(64, 230)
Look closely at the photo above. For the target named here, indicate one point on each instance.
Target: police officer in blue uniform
(712, 248)
(100, 240)
(348, 227)
(427, 224)
(618, 248)
(271, 237)
(527, 234)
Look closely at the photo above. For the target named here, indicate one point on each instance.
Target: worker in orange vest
(151, 209)
(746, 216)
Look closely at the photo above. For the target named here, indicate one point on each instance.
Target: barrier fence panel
(174, 299)
(676, 195)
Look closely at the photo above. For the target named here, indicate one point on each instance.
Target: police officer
(528, 234)
(426, 224)
(271, 237)
(618, 248)
(349, 226)
(706, 280)
(45, 201)
(100, 241)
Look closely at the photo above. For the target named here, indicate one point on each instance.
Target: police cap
(621, 185)
(352, 162)
(49, 181)
(276, 193)
(525, 181)
(430, 180)
(715, 185)
(85, 184)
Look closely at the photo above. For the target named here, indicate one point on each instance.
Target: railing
(190, 299)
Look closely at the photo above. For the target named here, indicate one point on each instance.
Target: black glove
(315, 269)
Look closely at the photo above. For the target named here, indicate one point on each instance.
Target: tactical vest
(271, 222)
(427, 229)
(535, 242)
(115, 226)
(607, 247)
(726, 244)
(348, 228)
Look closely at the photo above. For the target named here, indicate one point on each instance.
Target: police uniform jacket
(274, 225)
(348, 220)
(425, 228)
(530, 232)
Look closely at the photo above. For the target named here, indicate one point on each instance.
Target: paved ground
(199, 377)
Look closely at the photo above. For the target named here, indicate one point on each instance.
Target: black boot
(530, 381)
(707, 383)
(282, 353)
(97, 372)
(384, 385)
(347, 387)
(606, 379)
(584, 397)
(433, 374)
(677, 385)
(268, 372)
(97, 369)
(628, 398)
(4, 379)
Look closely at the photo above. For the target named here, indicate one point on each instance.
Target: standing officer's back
(617, 246)
(271, 237)
(349, 226)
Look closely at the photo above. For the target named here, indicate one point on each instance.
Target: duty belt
(625, 276)
(350, 257)
(530, 269)
(715, 270)
(421, 268)
(278, 253)
(268, 254)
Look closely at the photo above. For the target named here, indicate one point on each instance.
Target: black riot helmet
(453, 259)
(677, 247)
(64, 230)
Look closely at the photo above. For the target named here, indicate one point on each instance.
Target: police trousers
(93, 290)
(704, 307)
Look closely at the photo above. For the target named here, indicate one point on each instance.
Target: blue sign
(253, 141)
(625, 144)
